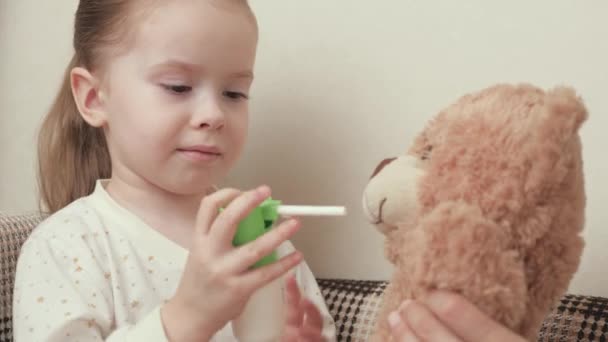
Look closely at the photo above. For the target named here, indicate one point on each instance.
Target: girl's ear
(88, 97)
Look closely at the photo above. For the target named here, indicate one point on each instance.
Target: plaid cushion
(577, 318)
(13, 232)
(354, 304)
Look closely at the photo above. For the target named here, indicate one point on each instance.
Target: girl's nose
(209, 115)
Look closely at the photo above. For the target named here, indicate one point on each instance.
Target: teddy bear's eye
(426, 152)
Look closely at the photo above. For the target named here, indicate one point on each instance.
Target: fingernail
(394, 319)
(288, 224)
(297, 255)
(263, 190)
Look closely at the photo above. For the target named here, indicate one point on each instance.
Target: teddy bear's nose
(381, 166)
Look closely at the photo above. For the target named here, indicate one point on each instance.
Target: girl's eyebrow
(175, 64)
(243, 74)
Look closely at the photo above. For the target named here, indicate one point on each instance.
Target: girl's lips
(202, 148)
(200, 153)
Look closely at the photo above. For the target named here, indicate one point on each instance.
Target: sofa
(354, 303)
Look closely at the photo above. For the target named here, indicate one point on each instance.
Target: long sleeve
(62, 293)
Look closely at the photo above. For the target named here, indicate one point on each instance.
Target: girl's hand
(446, 317)
(304, 321)
(217, 282)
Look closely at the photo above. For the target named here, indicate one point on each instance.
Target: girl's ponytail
(72, 155)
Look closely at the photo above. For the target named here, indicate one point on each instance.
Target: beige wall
(340, 85)
(34, 48)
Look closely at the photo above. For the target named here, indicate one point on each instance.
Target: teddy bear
(488, 202)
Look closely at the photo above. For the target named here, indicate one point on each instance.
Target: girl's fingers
(259, 277)
(244, 256)
(291, 334)
(224, 227)
(314, 320)
(309, 335)
(295, 312)
(210, 207)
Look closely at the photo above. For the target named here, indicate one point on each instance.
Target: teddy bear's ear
(557, 144)
(565, 113)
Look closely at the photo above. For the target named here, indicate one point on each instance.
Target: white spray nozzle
(310, 210)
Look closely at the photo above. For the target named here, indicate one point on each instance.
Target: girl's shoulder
(74, 221)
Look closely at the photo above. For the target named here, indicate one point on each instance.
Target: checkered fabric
(13, 232)
(577, 318)
(354, 304)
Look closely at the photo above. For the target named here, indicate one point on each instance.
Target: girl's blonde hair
(72, 155)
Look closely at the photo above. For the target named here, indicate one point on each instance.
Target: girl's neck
(172, 215)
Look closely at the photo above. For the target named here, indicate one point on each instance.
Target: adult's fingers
(400, 330)
(466, 320)
(423, 323)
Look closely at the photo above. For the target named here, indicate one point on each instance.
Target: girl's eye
(234, 95)
(177, 89)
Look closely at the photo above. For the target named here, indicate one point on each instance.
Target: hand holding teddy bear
(446, 317)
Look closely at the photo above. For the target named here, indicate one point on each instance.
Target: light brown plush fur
(489, 203)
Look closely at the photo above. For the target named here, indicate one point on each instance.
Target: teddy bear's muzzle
(390, 197)
(381, 166)
(374, 217)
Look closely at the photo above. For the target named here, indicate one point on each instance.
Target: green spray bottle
(259, 221)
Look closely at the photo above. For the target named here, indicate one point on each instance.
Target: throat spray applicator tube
(263, 317)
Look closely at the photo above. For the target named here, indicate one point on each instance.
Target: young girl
(153, 111)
